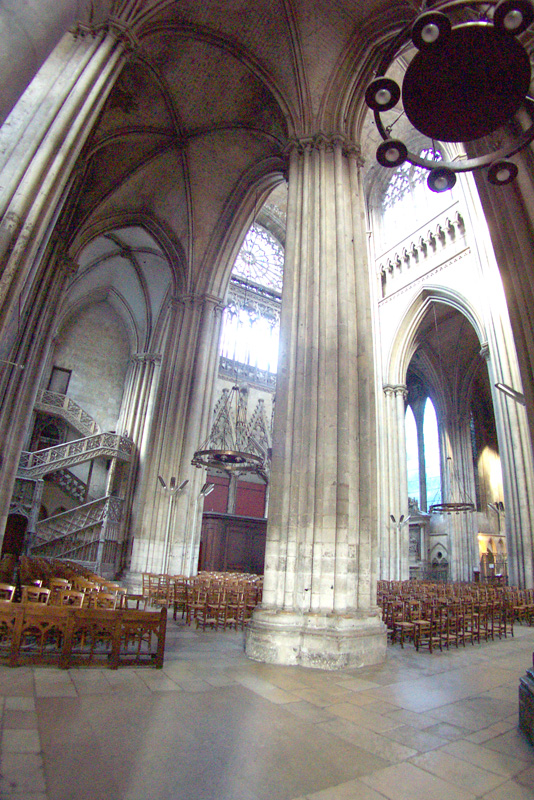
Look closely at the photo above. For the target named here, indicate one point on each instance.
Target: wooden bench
(35, 633)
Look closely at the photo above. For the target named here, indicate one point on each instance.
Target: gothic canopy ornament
(229, 445)
(469, 77)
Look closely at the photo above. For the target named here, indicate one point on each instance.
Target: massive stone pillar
(138, 395)
(165, 532)
(37, 159)
(509, 212)
(134, 422)
(510, 353)
(459, 486)
(29, 31)
(39, 154)
(319, 604)
(515, 454)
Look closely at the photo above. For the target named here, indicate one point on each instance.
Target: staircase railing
(68, 454)
(65, 407)
(88, 533)
(70, 484)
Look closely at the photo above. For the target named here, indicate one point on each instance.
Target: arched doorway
(13, 543)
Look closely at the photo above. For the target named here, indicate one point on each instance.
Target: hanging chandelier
(469, 77)
(450, 508)
(229, 446)
(453, 506)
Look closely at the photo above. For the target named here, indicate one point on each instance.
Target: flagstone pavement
(213, 725)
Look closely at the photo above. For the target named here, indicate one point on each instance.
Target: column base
(324, 641)
(132, 580)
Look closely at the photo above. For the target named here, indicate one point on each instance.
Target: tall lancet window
(412, 456)
(422, 453)
(432, 457)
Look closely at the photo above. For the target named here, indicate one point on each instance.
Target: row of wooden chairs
(438, 615)
(440, 625)
(37, 633)
(221, 607)
(209, 599)
(62, 593)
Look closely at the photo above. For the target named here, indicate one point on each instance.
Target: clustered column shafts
(394, 549)
(322, 533)
(29, 32)
(184, 400)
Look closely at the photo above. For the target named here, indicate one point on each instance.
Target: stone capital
(197, 302)
(485, 351)
(146, 358)
(121, 31)
(393, 390)
(326, 143)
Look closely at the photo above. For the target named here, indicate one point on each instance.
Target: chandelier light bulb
(513, 20)
(502, 172)
(440, 179)
(430, 33)
(391, 153)
(383, 96)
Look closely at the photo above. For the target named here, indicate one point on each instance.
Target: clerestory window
(251, 322)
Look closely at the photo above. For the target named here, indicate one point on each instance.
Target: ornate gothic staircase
(41, 462)
(63, 406)
(91, 532)
(80, 533)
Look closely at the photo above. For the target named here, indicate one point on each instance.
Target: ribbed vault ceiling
(194, 132)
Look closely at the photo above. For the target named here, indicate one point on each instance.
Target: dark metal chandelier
(469, 77)
(229, 445)
(450, 508)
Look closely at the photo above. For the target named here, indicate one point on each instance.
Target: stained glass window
(261, 259)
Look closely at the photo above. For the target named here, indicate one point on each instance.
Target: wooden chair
(253, 592)
(471, 623)
(70, 597)
(395, 614)
(59, 583)
(133, 601)
(56, 586)
(180, 594)
(234, 608)
(405, 626)
(105, 600)
(501, 618)
(41, 632)
(196, 602)
(121, 592)
(35, 594)
(7, 592)
(432, 631)
(212, 614)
